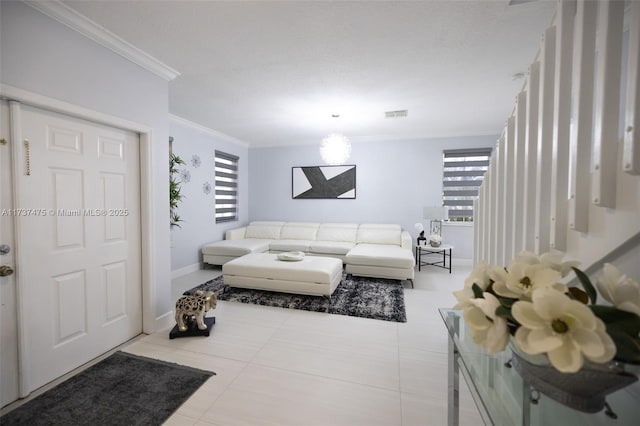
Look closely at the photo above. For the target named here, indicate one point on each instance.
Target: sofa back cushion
(380, 234)
(299, 231)
(343, 232)
(264, 230)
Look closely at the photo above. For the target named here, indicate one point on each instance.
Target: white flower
(435, 238)
(565, 329)
(526, 257)
(554, 260)
(464, 297)
(522, 279)
(480, 277)
(621, 291)
(487, 329)
(609, 345)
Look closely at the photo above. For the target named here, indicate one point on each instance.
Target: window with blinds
(226, 187)
(463, 173)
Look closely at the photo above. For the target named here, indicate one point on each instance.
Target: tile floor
(279, 366)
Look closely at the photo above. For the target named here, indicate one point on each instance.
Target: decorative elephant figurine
(197, 306)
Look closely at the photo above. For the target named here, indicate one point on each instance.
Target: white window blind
(226, 187)
(463, 173)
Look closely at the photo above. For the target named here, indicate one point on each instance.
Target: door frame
(17, 96)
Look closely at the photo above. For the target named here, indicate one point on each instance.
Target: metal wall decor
(323, 182)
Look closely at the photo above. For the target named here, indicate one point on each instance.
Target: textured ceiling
(273, 73)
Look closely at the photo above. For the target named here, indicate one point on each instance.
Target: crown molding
(64, 14)
(11, 93)
(206, 130)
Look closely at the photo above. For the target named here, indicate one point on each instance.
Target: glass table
(503, 398)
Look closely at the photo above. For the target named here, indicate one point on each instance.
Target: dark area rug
(123, 389)
(375, 298)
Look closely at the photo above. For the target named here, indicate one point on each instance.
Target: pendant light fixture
(335, 149)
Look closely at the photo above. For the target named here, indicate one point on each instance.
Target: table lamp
(436, 214)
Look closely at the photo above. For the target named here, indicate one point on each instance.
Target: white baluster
(580, 134)
(561, 121)
(494, 205)
(607, 101)
(488, 214)
(500, 197)
(509, 172)
(545, 140)
(530, 153)
(631, 151)
(520, 167)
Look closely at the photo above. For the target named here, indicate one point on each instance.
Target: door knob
(5, 271)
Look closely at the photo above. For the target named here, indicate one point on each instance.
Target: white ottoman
(314, 275)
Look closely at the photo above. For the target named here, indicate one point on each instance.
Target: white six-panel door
(79, 234)
(9, 386)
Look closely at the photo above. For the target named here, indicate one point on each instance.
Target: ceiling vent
(396, 114)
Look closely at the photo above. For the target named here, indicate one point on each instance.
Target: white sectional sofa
(371, 250)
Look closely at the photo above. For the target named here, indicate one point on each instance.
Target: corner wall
(197, 210)
(394, 181)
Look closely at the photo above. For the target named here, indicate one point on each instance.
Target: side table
(504, 397)
(446, 250)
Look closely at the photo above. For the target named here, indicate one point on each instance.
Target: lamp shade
(419, 227)
(435, 212)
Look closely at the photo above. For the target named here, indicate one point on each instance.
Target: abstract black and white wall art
(323, 182)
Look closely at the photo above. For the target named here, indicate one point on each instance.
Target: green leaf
(586, 283)
(507, 301)
(477, 291)
(175, 218)
(577, 294)
(616, 319)
(174, 189)
(627, 347)
(504, 312)
(490, 287)
(174, 159)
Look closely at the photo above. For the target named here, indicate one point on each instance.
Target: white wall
(45, 57)
(394, 181)
(198, 224)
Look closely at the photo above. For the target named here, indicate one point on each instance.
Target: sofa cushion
(330, 247)
(264, 230)
(299, 231)
(380, 234)
(390, 256)
(290, 245)
(346, 232)
(236, 247)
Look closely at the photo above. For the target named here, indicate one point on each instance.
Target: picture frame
(323, 182)
(435, 227)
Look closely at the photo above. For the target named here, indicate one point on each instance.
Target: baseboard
(184, 271)
(464, 262)
(164, 321)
